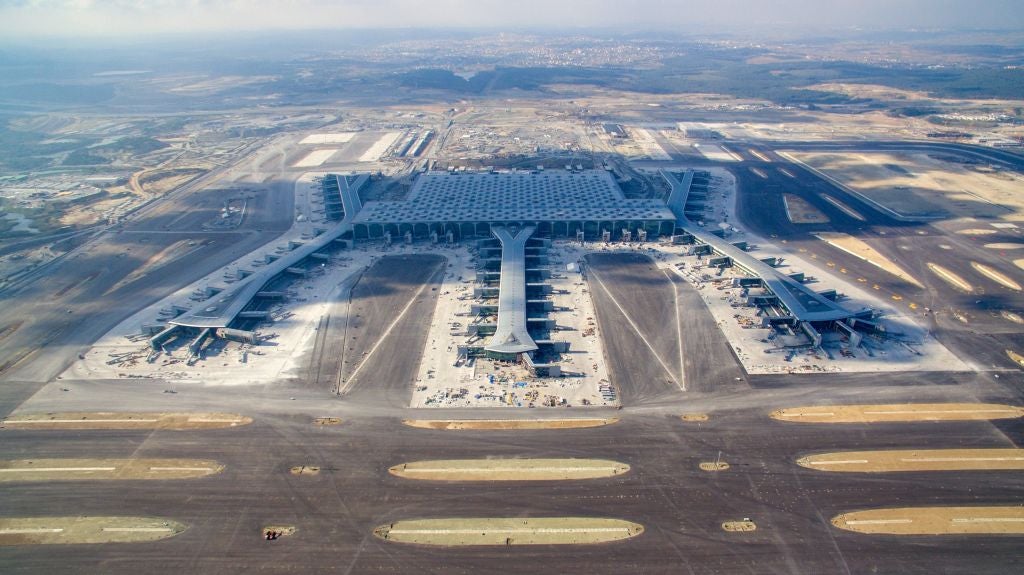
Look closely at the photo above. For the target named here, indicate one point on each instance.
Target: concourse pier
(520, 301)
(511, 336)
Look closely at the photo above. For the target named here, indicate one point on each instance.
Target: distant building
(699, 132)
(615, 131)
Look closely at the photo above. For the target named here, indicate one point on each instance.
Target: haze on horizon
(27, 19)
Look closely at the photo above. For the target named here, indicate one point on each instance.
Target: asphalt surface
(970, 324)
(390, 314)
(73, 301)
(636, 310)
(681, 507)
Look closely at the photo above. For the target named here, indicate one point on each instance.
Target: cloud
(135, 17)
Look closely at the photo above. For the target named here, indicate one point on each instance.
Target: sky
(105, 18)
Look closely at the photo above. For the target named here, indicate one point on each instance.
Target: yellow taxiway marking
(916, 460)
(951, 278)
(1001, 520)
(499, 424)
(509, 531)
(1005, 246)
(996, 276)
(897, 412)
(1015, 357)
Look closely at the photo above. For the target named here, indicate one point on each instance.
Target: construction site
(513, 322)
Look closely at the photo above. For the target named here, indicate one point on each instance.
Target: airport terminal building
(557, 204)
(511, 216)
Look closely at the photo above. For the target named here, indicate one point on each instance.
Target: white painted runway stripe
(137, 529)
(181, 469)
(201, 420)
(28, 530)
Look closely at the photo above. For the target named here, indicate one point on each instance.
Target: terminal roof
(551, 195)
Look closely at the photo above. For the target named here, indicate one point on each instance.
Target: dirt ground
(935, 520)
(511, 469)
(862, 250)
(897, 412)
(509, 531)
(41, 470)
(916, 460)
(801, 212)
(925, 184)
(458, 424)
(124, 420)
(76, 530)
